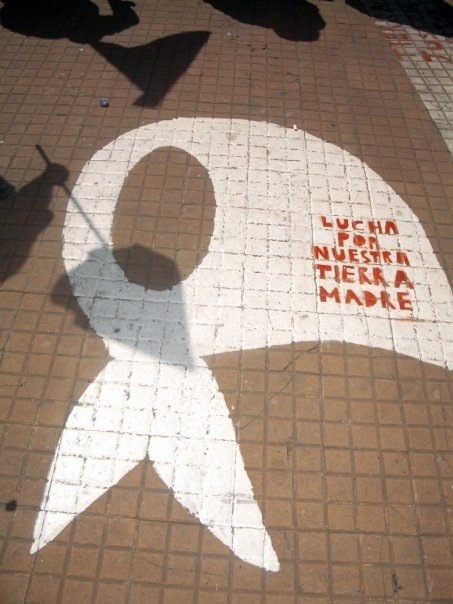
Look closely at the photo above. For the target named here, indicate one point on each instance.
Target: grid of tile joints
(422, 38)
(170, 558)
(93, 274)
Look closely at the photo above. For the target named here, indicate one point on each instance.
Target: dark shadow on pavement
(431, 16)
(25, 215)
(153, 67)
(141, 266)
(296, 20)
(147, 268)
(6, 190)
(156, 66)
(77, 20)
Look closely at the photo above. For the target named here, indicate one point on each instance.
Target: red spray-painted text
(358, 259)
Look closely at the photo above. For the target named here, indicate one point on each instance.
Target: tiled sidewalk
(421, 36)
(284, 429)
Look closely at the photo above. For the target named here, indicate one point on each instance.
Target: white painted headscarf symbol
(281, 194)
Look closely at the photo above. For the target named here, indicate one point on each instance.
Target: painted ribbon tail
(194, 451)
(96, 449)
(190, 439)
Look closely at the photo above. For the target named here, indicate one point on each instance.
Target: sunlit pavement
(421, 37)
(226, 310)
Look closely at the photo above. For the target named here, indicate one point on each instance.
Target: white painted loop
(308, 244)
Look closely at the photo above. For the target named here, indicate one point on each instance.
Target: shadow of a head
(78, 20)
(147, 268)
(6, 190)
(141, 266)
(55, 174)
(431, 16)
(294, 20)
(39, 189)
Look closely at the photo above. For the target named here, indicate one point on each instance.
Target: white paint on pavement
(425, 49)
(308, 244)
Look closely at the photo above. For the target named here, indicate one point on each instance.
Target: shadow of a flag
(156, 66)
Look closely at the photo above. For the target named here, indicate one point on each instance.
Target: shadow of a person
(6, 190)
(158, 273)
(432, 16)
(78, 20)
(293, 20)
(27, 215)
(153, 67)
